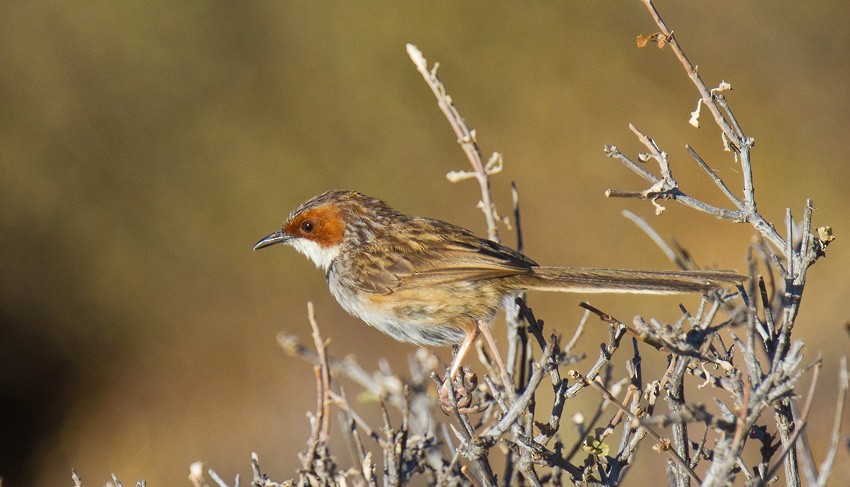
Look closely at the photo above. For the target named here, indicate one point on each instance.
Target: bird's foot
(458, 394)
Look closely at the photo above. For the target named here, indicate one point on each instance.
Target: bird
(432, 283)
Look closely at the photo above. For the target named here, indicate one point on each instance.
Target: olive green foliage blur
(144, 147)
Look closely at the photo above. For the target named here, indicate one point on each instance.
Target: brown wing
(438, 253)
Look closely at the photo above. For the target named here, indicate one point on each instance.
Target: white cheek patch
(321, 256)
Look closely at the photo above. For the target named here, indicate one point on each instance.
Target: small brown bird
(429, 282)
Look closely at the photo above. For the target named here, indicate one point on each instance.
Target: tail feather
(590, 280)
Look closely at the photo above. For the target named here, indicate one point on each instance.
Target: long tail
(589, 280)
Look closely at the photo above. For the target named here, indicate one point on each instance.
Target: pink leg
(461, 352)
(485, 330)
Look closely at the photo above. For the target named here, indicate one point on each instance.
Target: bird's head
(328, 223)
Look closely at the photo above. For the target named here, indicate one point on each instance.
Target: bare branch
(835, 436)
(465, 137)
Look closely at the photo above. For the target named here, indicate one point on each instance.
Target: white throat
(321, 256)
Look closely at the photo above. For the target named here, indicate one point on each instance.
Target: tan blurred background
(144, 147)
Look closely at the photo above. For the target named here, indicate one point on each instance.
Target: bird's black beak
(275, 238)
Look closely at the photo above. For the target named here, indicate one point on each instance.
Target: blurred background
(145, 147)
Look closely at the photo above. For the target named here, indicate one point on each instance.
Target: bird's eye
(307, 226)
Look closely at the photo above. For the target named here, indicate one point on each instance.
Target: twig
(791, 442)
(513, 312)
(667, 181)
(196, 474)
(518, 406)
(471, 447)
(568, 348)
(641, 223)
(835, 436)
(615, 334)
(320, 431)
(714, 177)
(342, 403)
(662, 442)
(467, 140)
(218, 480)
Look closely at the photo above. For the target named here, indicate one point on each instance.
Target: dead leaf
(825, 234)
(657, 37)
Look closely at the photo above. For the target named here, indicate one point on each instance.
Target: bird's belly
(438, 315)
(419, 333)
